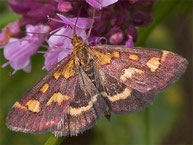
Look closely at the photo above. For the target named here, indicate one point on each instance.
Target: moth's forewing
(44, 105)
(85, 109)
(129, 78)
(140, 68)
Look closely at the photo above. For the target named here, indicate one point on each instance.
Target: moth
(91, 82)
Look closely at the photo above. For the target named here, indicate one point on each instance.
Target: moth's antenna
(74, 31)
(92, 23)
(48, 34)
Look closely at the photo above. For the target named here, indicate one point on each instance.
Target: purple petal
(96, 40)
(131, 30)
(99, 4)
(32, 10)
(54, 56)
(141, 18)
(129, 42)
(51, 58)
(108, 2)
(10, 30)
(63, 54)
(62, 41)
(94, 4)
(60, 46)
(19, 51)
(31, 30)
(82, 23)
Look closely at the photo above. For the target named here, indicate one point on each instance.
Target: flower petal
(82, 23)
(7, 32)
(129, 42)
(62, 41)
(60, 46)
(99, 4)
(19, 51)
(51, 58)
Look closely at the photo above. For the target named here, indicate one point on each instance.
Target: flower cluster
(115, 23)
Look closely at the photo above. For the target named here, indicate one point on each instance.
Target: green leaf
(7, 17)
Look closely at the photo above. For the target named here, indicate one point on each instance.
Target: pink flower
(60, 46)
(19, 51)
(115, 22)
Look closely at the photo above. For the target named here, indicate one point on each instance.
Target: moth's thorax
(81, 52)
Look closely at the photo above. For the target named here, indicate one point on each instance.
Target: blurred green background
(169, 120)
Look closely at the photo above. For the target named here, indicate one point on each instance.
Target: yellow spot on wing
(77, 111)
(133, 57)
(164, 55)
(128, 73)
(57, 75)
(57, 97)
(33, 105)
(18, 105)
(44, 88)
(103, 58)
(153, 63)
(115, 54)
(121, 96)
(69, 70)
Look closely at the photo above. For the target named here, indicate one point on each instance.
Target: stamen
(89, 32)
(5, 64)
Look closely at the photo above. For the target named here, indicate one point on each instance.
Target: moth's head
(76, 40)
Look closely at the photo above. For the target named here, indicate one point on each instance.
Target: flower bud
(116, 38)
(64, 7)
(131, 31)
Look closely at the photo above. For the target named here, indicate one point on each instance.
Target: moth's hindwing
(139, 68)
(43, 107)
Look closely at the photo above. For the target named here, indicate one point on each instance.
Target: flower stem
(53, 140)
(147, 126)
